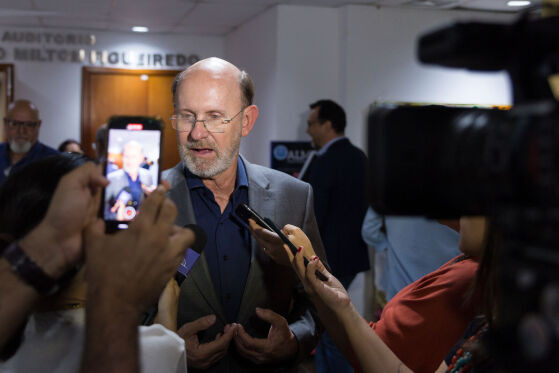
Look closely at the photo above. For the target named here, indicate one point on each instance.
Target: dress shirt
(414, 246)
(227, 250)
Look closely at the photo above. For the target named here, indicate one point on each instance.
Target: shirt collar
(195, 182)
(329, 144)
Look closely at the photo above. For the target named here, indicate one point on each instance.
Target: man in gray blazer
(240, 309)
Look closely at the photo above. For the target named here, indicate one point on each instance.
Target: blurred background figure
(413, 246)
(22, 147)
(70, 146)
(337, 175)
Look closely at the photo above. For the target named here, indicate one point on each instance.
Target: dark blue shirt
(135, 188)
(37, 151)
(227, 250)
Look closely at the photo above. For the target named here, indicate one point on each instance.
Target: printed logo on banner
(289, 156)
(280, 152)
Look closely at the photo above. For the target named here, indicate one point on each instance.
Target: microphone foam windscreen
(201, 238)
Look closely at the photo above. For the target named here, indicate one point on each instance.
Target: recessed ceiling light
(518, 3)
(140, 29)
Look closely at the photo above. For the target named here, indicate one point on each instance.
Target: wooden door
(6, 93)
(107, 92)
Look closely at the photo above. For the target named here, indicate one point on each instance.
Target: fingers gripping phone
(246, 212)
(132, 166)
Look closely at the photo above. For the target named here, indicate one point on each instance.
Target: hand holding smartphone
(132, 166)
(246, 212)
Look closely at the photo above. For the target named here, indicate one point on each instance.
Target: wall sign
(45, 47)
(289, 156)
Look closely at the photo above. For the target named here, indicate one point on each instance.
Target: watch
(28, 271)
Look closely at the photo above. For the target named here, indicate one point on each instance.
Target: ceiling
(197, 17)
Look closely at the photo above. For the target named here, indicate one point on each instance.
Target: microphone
(192, 253)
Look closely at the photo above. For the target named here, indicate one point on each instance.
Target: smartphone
(246, 212)
(132, 166)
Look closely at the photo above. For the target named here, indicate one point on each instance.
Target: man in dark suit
(338, 177)
(239, 310)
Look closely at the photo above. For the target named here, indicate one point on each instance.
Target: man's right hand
(204, 355)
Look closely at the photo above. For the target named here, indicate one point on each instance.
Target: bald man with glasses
(21, 126)
(240, 308)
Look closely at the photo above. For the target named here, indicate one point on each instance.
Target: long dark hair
(486, 282)
(26, 194)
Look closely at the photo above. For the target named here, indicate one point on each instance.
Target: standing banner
(289, 156)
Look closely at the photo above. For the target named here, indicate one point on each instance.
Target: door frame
(8, 70)
(87, 73)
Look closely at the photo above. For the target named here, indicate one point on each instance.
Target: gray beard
(19, 148)
(208, 169)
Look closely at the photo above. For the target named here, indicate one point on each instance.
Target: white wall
(380, 64)
(55, 87)
(355, 55)
(292, 54)
(308, 65)
(254, 48)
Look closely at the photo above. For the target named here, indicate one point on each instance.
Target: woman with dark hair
(53, 337)
(438, 304)
(70, 146)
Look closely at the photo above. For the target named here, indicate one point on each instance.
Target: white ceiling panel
(15, 4)
(89, 23)
(20, 21)
(222, 14)
(141, 15)
(202, 29)
(95, 6)
(198, 17)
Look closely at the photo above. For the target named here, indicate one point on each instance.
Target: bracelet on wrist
(28, 271)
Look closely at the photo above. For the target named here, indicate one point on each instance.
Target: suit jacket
(283, 199)
(338, 178)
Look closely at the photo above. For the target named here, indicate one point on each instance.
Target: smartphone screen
(133, 167)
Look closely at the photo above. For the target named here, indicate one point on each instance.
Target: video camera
(448, 162)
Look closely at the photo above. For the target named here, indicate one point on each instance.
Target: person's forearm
(111, 343)
(333, 326)
(17, 300)
(371, 352)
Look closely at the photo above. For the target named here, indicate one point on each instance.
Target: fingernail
(299, 249)
(314, 258)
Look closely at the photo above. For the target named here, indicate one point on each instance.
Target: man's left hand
(280, 345)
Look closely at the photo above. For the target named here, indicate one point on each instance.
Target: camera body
(446, 162)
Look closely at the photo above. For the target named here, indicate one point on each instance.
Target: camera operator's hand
(204, 355)
(270, 243)
(56, 244)
(132, 266)
(126, 272)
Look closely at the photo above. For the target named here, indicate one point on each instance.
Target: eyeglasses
(12, 123)
(216, 124)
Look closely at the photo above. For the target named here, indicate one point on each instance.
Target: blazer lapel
(200, 273)
(259, 198)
